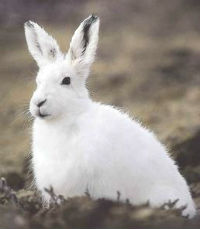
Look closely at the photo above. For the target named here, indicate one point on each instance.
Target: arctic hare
(80, 145)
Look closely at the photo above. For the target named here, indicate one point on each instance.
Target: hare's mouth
(42, 115)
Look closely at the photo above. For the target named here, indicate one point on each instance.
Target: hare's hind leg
(161, 195)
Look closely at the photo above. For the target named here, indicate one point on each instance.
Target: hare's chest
(58, 162)
(67, 174)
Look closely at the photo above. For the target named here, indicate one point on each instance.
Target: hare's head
(61, 78)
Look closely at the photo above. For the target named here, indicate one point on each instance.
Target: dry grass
(83, 212)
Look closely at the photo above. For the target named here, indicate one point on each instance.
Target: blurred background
(148, 63)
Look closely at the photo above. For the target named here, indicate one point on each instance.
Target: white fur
(84, 145)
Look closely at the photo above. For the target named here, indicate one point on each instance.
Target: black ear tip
(94, 17)
(29, 24)
(90, 20)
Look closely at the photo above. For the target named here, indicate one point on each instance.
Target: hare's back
(114, 132)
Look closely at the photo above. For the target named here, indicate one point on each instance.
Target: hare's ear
(84, 44)
(42, 46)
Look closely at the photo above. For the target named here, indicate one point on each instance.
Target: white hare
(80, 145)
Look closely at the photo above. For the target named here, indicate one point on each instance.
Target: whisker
(24, 112)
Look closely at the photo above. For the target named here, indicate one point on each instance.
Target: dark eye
(66, 81)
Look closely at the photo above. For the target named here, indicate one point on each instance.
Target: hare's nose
(41, 103)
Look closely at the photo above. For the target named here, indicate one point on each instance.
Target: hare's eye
(66, 81)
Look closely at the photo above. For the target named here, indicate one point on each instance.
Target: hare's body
(79, 145)
(127, 158)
